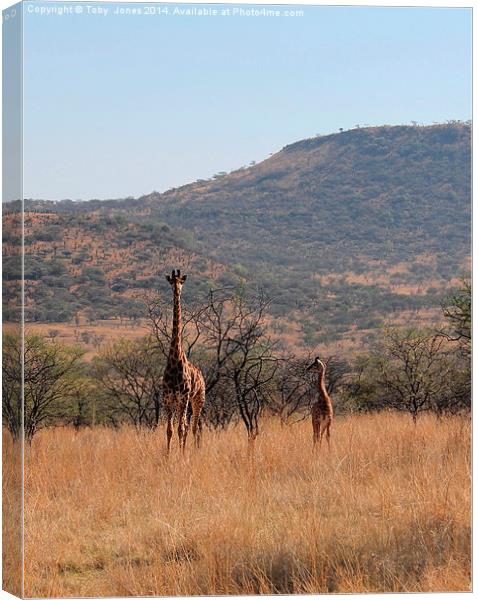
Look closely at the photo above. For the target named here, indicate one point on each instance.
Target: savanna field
(388, 509)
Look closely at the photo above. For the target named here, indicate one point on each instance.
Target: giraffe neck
(176, 349)
(322, 388)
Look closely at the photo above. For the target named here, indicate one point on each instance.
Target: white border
(410, 3)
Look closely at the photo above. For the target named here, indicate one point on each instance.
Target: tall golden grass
(388, 509)
(12, 572)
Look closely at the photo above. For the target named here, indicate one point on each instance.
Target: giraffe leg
(182, 426)
(186, 429)
(197, 427)
(199, 430)
(320, 432)
(196, 405)
(327, 434)
(316, 428)
(316, 436)
(169, 428)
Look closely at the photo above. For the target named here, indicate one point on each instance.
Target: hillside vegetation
(97, 265)
(343, 231)
(347, 227)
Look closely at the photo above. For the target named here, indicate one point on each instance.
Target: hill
(342, 230)
(96, 264)
(347, 227)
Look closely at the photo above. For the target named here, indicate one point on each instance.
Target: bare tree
(227, 334)
(219, 410)
(49, 375)
(295, 387)
(292, 391)
(361, 387)
(82, 406)
(413, 370)
(159, 312)
(336, 373)
(458, 314)
(49, 382)
(12, 383)
(240, 351)
(130, 374)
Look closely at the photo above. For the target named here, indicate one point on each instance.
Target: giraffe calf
(322, 409)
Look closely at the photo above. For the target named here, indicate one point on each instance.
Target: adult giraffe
(322, 410)
(183, 383)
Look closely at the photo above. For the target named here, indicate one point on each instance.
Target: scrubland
(387, 509)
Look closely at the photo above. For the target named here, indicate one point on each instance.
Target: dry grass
(11, 515)
(387, 510)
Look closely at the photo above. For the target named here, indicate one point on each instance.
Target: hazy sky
(121, 105)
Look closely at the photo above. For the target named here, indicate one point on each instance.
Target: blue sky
(124, 105)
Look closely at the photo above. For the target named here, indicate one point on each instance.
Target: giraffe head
(176, 280)
(317, 365)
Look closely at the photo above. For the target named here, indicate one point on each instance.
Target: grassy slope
(347, 227)
(101, 261)
(342, 230)
(387, 510)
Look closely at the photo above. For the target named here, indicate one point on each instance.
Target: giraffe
(184, 389)
(322, 410)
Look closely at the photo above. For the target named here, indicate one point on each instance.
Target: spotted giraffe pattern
(183, 383)
(322, 409)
